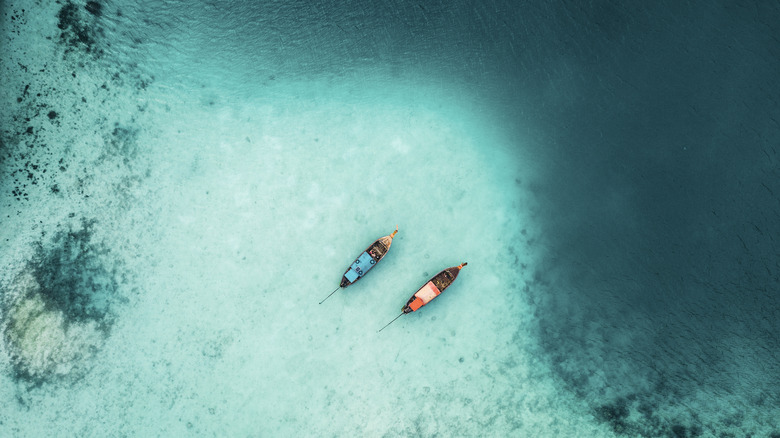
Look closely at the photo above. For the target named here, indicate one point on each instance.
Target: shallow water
(182, 183)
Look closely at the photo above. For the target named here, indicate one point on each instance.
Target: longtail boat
(430, 290)
(365, 261)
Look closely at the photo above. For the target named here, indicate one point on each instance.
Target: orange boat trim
(416, 304)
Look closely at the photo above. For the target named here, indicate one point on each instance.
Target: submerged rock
(59, 309)
(77, 31)
(94, 8)
(41, 341)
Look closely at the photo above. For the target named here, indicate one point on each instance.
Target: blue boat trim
(360, 267)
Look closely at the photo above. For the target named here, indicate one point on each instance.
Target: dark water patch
(60, 308)
(18, 18)
(615, 414)
(123, 151)
(122, 142)
(26, 158)
(37, 139)
(79, 31)
(635, 416)
(72, 277)
(659, 195)
(94, 8)
(680, 431)
(82, 31)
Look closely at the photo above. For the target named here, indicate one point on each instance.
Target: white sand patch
(265, 229)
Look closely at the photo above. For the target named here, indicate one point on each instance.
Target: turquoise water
(182, 183)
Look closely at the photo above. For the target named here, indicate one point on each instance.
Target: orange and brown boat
(430, 290)
(365, 261)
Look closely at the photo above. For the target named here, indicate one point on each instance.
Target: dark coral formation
(73, 275)
(70, 290)
(80, 31)
(94, 8)
(635, 416)
(615, 414)
(47, 101)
